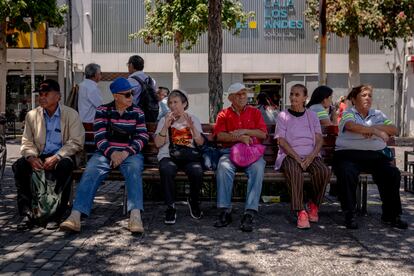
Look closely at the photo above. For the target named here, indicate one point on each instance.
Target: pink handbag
(243, 155)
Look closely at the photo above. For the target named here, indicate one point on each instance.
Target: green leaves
(14, 11)
(187, 18)
(383, 21)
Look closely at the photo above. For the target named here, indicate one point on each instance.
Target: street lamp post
(28, 21)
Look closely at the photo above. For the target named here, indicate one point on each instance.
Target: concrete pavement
(195, 247)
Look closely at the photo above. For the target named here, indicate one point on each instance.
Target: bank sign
(280, 20)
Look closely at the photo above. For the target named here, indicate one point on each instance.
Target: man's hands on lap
(50, 162)
(241, 135)
(36, 163)
(118, 157)
(245, 139)
(239, 132)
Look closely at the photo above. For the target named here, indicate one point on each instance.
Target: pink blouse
(299, 132)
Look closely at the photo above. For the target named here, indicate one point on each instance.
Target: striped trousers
(320, 175)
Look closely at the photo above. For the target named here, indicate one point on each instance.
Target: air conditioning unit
(59, 40)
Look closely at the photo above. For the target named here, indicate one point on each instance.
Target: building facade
(274, 50)
(51, 61)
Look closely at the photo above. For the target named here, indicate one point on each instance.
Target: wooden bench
(151, 173)
(409, 168)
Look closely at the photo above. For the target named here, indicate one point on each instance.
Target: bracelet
(162, 135)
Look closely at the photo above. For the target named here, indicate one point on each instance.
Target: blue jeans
(225, 176)
(95, 173)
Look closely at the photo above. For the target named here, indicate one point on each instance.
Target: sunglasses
(126, 95)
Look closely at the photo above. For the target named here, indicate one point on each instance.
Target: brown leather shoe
(70, 225)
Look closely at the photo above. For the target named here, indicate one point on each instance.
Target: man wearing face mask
(120, 135)
(235, 124)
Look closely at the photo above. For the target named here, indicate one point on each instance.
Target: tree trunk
(177, 61)
(354, 78)
(3, 66)
(215, 49)
(322, 42)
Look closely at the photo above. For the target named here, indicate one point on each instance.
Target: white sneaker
(135, 222)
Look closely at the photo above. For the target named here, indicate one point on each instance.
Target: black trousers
(23, 174)
(168, 171)
(348, 164)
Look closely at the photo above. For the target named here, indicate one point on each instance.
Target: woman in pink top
(299, 137)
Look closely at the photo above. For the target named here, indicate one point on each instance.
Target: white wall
(409, 116)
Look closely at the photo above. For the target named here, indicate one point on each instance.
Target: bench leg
(405, 169)
(364, 196)
(358, 197)
(212, 184)
(125, 202)
(72, 193)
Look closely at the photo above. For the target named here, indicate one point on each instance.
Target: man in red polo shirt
(239, 123)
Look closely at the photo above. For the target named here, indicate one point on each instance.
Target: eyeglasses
(126, 95)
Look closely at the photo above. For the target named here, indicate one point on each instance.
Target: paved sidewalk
(195, 247)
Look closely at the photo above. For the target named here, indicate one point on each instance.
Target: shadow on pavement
(193, 247)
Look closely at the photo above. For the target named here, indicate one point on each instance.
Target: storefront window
(18, 95)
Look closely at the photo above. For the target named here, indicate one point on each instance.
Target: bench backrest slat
(150, 151)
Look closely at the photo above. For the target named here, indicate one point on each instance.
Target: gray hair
(180, 94)
(91, 69)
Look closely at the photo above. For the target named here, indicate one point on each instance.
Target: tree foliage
(383, 21)
(186, 18)
(12, 13)
(39, 11)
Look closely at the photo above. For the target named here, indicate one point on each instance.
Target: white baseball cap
(235, 87)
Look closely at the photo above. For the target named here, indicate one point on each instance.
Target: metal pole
(32, 75)
(396, 92)
(28, 21)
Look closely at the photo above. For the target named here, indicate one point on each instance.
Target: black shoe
(195, 211)
(223, 220)
(350, 222)
(25, 224)
(170, 215)
(396, 222)
(52, 225)
(246, 224)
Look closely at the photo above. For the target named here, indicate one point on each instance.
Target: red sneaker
(313, 210)
(303, 220)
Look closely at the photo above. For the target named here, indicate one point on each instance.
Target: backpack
(45, 200)
(148, 101)
(72, 100)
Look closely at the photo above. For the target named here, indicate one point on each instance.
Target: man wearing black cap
(53, 134)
